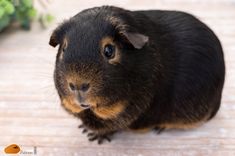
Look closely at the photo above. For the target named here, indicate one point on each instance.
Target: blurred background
(30, 112)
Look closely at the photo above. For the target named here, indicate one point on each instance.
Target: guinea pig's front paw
(83, 127)
(92, 136)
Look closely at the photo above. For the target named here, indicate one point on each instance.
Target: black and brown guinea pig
(137, 70)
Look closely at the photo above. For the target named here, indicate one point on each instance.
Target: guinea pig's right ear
(59, 34)
(136, 39)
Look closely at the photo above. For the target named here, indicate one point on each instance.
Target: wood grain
(31, 114)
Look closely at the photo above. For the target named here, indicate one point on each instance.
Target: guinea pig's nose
(84, 87)
(81, 88)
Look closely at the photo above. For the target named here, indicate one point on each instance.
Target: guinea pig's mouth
(82, 104)
(85, 106)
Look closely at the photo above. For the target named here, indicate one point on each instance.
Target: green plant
(21, 11)
(6, 10)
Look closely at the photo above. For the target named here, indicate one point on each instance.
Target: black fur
(176, 77)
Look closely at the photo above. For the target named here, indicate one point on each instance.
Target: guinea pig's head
(99, 62)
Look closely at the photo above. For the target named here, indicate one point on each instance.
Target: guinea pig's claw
(81, 126)
(92, 136)
(100, 138)
(84, 129)
(159, 130)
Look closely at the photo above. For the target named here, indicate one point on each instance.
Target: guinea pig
(121, 70)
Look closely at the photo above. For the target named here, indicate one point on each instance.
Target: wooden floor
(31, 115)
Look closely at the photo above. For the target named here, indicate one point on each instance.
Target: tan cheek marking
(110, 112)
(70, 105)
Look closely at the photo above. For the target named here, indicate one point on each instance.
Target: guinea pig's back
(193, 57)
(180, 28)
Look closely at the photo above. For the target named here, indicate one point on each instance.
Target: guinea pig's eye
(109, 51)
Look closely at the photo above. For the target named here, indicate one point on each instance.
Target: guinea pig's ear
(59, 34)
(136, 39)
(54, 40)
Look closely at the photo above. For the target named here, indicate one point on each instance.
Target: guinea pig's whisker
(43, 75)
(43, 60)
(48, 92)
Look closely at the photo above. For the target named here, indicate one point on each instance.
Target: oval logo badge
(12, 149)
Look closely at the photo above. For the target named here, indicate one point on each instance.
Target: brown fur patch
(114, 20)
(109, 112)
(178, 125)
(109, 40)
(117, 23)
(141, 130)
(181, 125)
(64, 46)
(69, 104)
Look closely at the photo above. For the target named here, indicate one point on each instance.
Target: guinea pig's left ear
(59, 33)
(54, 41)
(136, 39)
